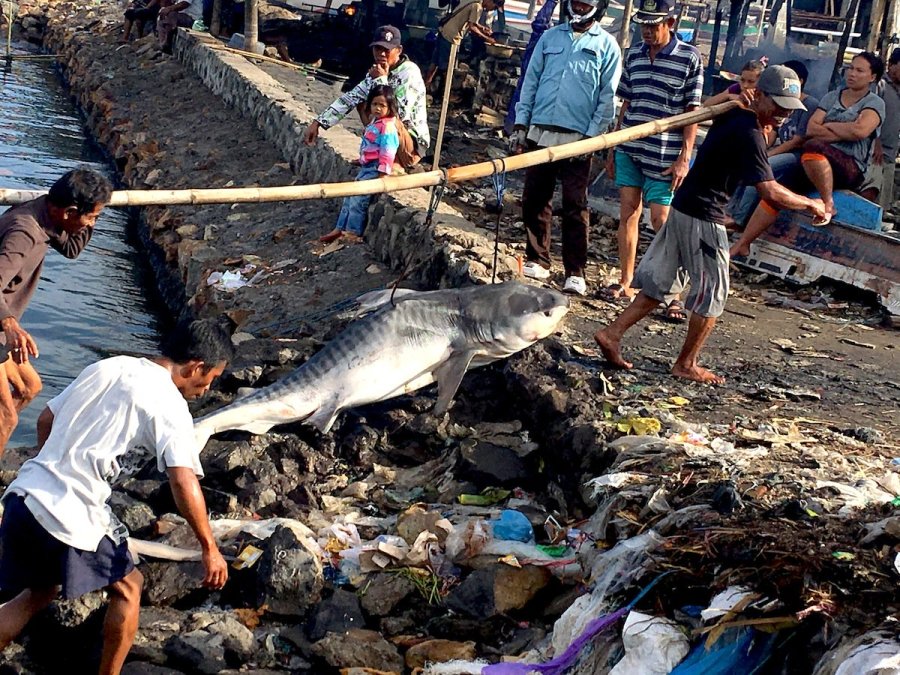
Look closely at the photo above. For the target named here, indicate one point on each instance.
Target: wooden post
(445, 103)
(890, 27)
(876, 21)
(251, 25)
(9, 26)
(625, 29)
(215, 21)
(849, 20)
(711, 68)
(256, 195)
(762, 22)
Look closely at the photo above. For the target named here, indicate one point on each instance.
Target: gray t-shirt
(890, 125)
(836, 112)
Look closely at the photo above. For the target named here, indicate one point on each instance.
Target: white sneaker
(534, 270)
(575, 285)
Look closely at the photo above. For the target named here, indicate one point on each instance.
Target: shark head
(512, 315)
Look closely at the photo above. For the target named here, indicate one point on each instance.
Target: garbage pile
(402, 542)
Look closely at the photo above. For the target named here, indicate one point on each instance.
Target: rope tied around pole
(498, 178)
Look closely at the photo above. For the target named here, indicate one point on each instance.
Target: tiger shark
(407, 342)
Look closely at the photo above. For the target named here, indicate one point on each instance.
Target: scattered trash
(653, 646)
(513, 526)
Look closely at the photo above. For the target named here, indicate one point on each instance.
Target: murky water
(86, 308)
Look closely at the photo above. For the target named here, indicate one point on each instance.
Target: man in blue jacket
(567, 95)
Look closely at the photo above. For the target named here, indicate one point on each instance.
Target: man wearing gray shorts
(693, 239)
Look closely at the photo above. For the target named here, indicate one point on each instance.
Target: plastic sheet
(653, 646)
(740, 651)
(874, 653)
(513, 526)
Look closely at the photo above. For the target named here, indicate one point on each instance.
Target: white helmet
(598, 9)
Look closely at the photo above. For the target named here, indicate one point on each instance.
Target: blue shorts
(30, 557)
(628, 174)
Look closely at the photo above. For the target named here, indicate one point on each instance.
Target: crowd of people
(778, 146)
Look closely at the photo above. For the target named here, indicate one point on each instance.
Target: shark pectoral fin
(323, 418)
(448, 376)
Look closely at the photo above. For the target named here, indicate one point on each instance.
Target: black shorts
(142, 14)
(30, 557)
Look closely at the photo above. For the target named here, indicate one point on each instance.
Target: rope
(499, 181)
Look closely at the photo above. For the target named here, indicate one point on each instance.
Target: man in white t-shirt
(58, 535)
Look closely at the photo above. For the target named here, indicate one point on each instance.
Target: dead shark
(407, 343)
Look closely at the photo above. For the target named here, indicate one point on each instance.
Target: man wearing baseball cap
(693, 241)
(393, 68)
(661, 77)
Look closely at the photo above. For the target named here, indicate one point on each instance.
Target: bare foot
(611, 350)
(331, 236)
(350, 238)
(697, 374)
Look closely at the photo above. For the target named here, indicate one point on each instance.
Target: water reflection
(87, 308)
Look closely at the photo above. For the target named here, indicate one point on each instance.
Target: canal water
(90, 307)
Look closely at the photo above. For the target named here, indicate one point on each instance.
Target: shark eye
(549, 314)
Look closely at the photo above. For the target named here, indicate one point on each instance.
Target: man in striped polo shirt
(661, 77)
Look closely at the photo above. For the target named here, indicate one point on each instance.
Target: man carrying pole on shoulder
(693, 244)
(64, 220)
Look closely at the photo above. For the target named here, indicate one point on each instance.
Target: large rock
(156, 626)
(384, 592)
(165, 583)
(143, 668)
(439, 651)
(359, 648)
(289, 576)
(337, 614)
(134, 514)
(489, 465)
(497, 589)
(215, 640)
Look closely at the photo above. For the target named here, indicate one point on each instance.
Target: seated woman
(838, 146)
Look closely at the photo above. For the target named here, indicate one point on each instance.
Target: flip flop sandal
(614, 293)
(675, 312)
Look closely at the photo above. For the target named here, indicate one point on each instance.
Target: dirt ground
(858, 385)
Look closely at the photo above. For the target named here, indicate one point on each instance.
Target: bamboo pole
(393, 183)
(625, 28)
(445, 103)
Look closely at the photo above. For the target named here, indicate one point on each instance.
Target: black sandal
(675, 312)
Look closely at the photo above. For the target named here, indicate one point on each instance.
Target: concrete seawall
(450, 252)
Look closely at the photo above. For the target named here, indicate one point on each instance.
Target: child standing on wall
(376, 158)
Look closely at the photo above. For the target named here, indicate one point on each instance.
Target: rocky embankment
(518, 527)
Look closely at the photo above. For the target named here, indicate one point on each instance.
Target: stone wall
(451, 252)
